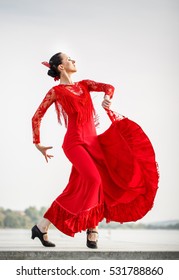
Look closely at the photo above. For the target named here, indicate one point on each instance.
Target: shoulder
(50, 95)
(56, 89)
(86, 82)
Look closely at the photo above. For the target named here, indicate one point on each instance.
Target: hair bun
(52, 73)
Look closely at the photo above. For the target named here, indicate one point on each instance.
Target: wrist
(107, 97)
(37, 145)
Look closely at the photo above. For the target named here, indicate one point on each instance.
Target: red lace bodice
(69, 99)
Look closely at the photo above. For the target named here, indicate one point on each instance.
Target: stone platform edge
(87, 255)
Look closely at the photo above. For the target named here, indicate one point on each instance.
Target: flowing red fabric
(130, 160)
(114, 175)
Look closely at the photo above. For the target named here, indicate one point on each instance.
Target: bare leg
(43, 225)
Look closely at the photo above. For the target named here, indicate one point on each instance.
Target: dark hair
(54, 61)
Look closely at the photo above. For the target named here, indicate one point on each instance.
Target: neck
(65, 79)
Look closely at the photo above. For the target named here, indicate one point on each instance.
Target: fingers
(47, 148)
(47, 156)
(44, 152)
(106, 104)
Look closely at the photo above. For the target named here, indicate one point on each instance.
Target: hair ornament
(56, 78)
(46, 64)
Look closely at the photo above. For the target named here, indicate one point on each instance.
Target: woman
(104, 182)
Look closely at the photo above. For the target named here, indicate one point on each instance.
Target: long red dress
(114, 175)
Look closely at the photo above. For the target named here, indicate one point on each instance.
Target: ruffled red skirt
(129, 175)
(130, 160)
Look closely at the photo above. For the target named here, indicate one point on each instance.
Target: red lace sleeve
(95, 86)
(36, 119)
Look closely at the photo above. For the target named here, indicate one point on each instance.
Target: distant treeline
(31, 215)
(20, 219)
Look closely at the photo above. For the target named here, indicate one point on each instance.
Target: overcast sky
(132, 45)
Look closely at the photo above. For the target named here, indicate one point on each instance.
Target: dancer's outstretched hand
(43, 150)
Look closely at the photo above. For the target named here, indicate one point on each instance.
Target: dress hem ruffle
(70, 223)
(132, 211)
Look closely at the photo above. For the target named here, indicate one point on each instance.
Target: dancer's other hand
(106, 102)
(43, 150)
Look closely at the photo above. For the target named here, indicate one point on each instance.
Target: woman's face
(68, 64)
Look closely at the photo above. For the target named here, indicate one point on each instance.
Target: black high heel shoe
(89, 243)
(37, 233)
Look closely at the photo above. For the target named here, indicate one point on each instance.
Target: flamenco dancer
(114, 175)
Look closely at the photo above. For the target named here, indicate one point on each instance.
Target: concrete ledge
(87, 255)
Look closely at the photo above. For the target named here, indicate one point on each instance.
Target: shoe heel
(33, 234)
